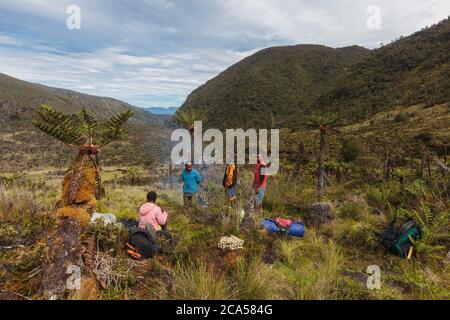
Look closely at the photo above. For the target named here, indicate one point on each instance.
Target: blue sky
(155, 52)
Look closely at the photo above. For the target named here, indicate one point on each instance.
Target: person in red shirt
(259, 182)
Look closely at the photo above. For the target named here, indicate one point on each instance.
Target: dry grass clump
(22, 215)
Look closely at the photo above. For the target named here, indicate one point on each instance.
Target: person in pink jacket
(150, 213)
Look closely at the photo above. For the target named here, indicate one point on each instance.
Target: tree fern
(187, 117)
(324, 122)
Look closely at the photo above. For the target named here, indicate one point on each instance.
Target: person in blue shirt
(191, 180)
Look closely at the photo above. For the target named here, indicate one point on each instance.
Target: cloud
(6, 40)
(155, 52)
(117, 73)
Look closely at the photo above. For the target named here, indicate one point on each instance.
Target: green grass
(328, 263)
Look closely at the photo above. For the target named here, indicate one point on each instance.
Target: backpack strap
(406, 226)
(133, 252)
(151, 232)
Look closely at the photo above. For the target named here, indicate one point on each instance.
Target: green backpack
(400, 239)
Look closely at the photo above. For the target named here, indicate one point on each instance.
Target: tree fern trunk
(422, 165)
(65, 253)
(321, 168)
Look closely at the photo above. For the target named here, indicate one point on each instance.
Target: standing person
(229, 182)
(259, 182)
(191, 180)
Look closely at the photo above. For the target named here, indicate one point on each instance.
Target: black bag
(141, 245)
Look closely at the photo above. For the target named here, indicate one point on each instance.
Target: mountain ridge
(144, 142)
(279, 86)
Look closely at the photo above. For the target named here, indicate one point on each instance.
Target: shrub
(110, 238)
(351, 150)
(400, 117)
(350, 210)
(383, 195)
(360, 234)
(424, 137)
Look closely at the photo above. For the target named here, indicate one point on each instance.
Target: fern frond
(88, 124)
(427, 214)
(114, 130)
(58, 125)
(328, 121)
(187, 117)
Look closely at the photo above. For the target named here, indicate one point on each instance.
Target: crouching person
(143, 242)
(151, 214)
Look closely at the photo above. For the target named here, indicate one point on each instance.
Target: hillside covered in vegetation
(279, 86)
(19, 141)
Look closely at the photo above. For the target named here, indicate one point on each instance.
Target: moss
(88, 290)
(76, 213)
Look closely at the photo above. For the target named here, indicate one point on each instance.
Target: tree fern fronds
(323, 122)
(88, 124)
(58, 125)
(50, 115)
(69, 138)
(79, 130)
(187, 117)
(114, 129)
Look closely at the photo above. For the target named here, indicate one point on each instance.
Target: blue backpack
(286, 227)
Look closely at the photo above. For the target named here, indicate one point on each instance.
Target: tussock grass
(197, 281)
(22, 215)
(254, 280)
(314, 273)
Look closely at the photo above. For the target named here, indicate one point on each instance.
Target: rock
(319, 213)
(106, 217)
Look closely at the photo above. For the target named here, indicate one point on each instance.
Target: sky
(153, 53)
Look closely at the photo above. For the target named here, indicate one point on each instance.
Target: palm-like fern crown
(81, 129)
(323, 122)
(187, 117)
